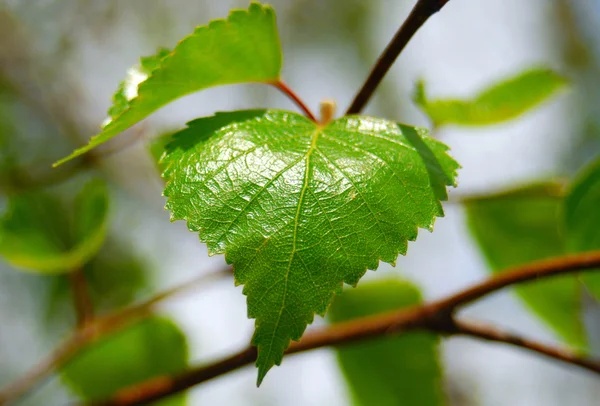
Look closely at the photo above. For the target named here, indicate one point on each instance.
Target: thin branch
(491, 333)
(436, 316)
(524, 273)
(417, 17)
(99, 327)
(82, 301)
(285, 89)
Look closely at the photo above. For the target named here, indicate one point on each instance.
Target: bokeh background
(60, 62)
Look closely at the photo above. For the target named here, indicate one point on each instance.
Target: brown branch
(491, 333)
(436, 316)
(99, 327)
(417, 17)
(82, 302)
(285, 89)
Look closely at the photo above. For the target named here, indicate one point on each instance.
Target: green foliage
(300, 208)
(520, 226)
(149, 349)
(504, 101)
(244, 48)
(156, 148)
(115, 278)
(36, 234)
(582, 219)
(394, 371)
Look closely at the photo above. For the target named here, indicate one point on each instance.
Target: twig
(491, 333)
(285, 89)
(99, 327)
(417, 17)
(436, 316)
(82, 302)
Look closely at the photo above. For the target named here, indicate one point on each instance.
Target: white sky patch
(134, 78)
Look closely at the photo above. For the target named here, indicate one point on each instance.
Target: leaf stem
(437, 316)
(420, 13)
(285, 89)
(82, 301)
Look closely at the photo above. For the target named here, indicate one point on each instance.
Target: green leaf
(394, 371)
(520, 226)
(244, 48)
(156, 148)
(299, 208)
(504, 101)
(115, 277)
(582, 219)
(152, 348)
(36, 232)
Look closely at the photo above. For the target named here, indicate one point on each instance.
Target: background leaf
(156, 147)
(149, 349)
(394, 371)
(582, 219)
(36, 235)
(520, 226)
(115, 277)
(503, 101)
(243, 48)
(298, 209)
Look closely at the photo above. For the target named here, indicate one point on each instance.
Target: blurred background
(61, 61)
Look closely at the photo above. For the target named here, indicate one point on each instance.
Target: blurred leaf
(115, 278)
(502, 102)
(298, 207)
(37, 233)
(521, 226)
(157, 147)
(152, 348)
(244, 48)
(582, 219)
(392, 371)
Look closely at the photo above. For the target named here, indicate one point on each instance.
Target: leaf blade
(298, 209)
(243, 48)
(152, 348)
(581, 217)
(507, 100)
(35, 234)
(520, 226)
(394, 371)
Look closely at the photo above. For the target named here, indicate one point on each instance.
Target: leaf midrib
(307, 172)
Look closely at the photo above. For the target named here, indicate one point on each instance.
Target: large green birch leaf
(299, 208)
(582, 219)
(389, 371)
(503, 101)
(243, 48)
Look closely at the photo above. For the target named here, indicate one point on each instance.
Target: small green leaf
(37, 233)
(582, 219)
(152, 348)
(393, 371)
(299, 209)
(502, 102)
(520, 226)
(156, 148)
(244, 48)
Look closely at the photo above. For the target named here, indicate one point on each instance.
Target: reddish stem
(285, 89)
